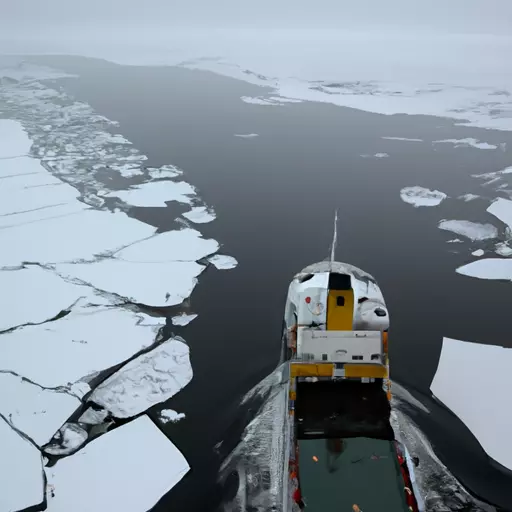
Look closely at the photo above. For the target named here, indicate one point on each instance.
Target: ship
(342, 451)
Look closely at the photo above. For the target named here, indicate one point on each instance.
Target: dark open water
(274, 196)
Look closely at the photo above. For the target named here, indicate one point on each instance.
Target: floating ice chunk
(466, 142)
(167, 415)
(156, 193)
(70, 238)
(101, 477)
(93, 417)
(246, 135)
(488, 268)
(478, 252)
(420, 196)
(469, 197)
(89, 340)
(381, 155)
(472, 230)
(183, 319)
(502, 209)
(37, 412)
(21, 292)
(166, 171)
(149, 379)
(479, 403)
(68, 439)
(455, 241)
(282, 99)
(21, 473)
(15, 141)
(157, 284)
(128, 170)
(402, 138)
(223, 262)
(261, 101)
(503, 249)
(200, 215)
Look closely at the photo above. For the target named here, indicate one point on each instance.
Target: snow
(247, 135)
(200, 215)
(21, 292)
(420, 196)
(15, 141)
(183, 319)
(402, 138)
(166, 171)
(129, 468)
(478, 252)
(479, 403)
(472, 230)
(502, 209)
(488, 268)
(89, 339)
(469, 197)
(69, 438)
(167, 415)
(474, 143)
(37, 412)
(156, 193)
(21, 473)
(147, 380)
(223, 262)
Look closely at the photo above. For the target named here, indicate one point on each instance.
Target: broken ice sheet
(67, 440)
(200, 215)
(166, 171)
(469, 142)
(89, 340)
(168, 415)
(503, 249)
(472, 230)
(223, 262)
(21, 473)
(420, 196)
(147, 380)
(93, 417)
(502, 209)
(36, 412)
(128, 469)
(182, 319)
(156, 193)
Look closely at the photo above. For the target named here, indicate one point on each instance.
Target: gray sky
(454, 16)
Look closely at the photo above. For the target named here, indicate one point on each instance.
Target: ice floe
(168, 415)
(503, 249)
(200, 215)
(147, 380)
(488, 268)
(21, 473)
(468, 197)
(472, 230)
(156, 193)
(420, 196)
(455, 241)
(469, 142)
(93, 416)
(478, 253)
(502, 209)
(129, 468)
(68, 439)
(246, 135)
(35, 411)
(223, 262)
(183, 319)
(478, 402)
(166, 171)
(376, 155)
(403, 139)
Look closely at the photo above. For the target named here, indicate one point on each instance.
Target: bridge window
(340, 300)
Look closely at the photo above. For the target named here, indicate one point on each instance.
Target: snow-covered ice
(502, 209)
(156, 193)
(169, 415)
(14, 139)
(21, 471)
(479, 403)
(183, 319)
(68, 439)
(420, 196)
(403, 139)
(129, 468)
(88, 340)
(472, 230)
(478, 253)
(200, 215)
(147, 380)
(246, 135)
(223, 262)
(469, 142)
(36, 412)
(488, 268)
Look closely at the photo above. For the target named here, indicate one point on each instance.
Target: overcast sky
(454, 16)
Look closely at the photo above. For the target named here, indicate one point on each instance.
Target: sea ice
(223, 262)
(261, 101)
(182, 319)
(477, 401)
(469, 197)
(472, 230)
(503, 249)
(168, 415)
(420, 196)
(15, 141)
(402, 138)
(93, 417)
(200, 215)
(488, 268)
(466, 142)
(246, 135)
(129, 468)
(21, 473)
(147, 380)
(166, 171)
(67, 440)
(478, 252)
(502, 209)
